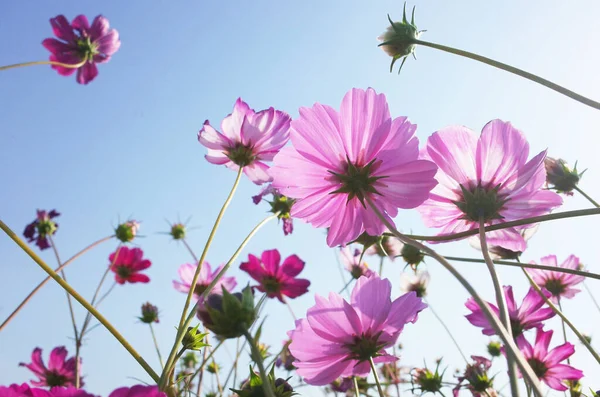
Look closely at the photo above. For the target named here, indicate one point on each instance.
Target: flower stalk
(51, 63)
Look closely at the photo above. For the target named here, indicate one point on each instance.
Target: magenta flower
(79, 42)
(339, 160)
(15, 390)
(248, 139)
(42, 227)
(25, 390)
(486, 178)
(529, 315)
(280, 205)
(60, 371)
(274, 279)
(352, 263)
(338, 338)
(186, 274)
(127, 263)
(137, 391)
(559, 284)
(546, 364)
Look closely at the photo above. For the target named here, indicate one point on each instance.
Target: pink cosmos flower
(339, 160)
(42, 227)
(529, 315)
(338, 337)
(546, 364)
(486, 177)
(276, 280)
(206, 276)
(248, 139)
(78, 42)
(559, 284)
(280, 205)
(60, 371)
(352, 263)
(137, 391)
(25, 390)
(127, 263)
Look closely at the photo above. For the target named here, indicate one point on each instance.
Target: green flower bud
(127, 231)
(178, 231)
(560, 177)
(493, 349)
(426, 381)
(194, 339)
(253, 387)
(228, 315)
(398, 41)
(149, 313)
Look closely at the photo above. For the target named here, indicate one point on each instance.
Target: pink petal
(138, 278)
(99, 27)
(267, 131)
(453, 150)
(258, 172)
(57, 358)
(292, 266)
(542, 341)
(271, 260)
(254, 268)
(329, 319)
(346, 224)
(81, 23)
(62, 29)
(295, 288)
(232, 124)
(87, 73)
(559, 353)
(371, 300)
(404, 310)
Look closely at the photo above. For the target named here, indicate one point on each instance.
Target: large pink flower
(206, 276)
(60, 371)
(137, 391)
(25, 390)
(127, 263)
(559, 284)
(529, 315)
(81, 42)
(337, 338)
(341, 159)
(546, 364)
(248, 139)
(274, 279)
(486, 177)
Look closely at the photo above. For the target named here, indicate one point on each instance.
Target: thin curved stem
(233, 369)
(501, 302)
(259, 362)
(219, 386)
(513, 70)
(563, 317)
(591, 200)
(69, 301)
(564, 329)
(156, 345)
(200, 371)
(506, 225)
(591, 295)
(81, 300)
(374, 370)
(43, 282)
(185, 243)
(110, 289)
(485, 308)
(287, 303)
(447, 331)
(52, 63)
(381, 265)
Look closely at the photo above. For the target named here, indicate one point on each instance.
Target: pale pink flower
(486, 177)
(547, 364)
(338, 338)
(417, 282)
(339, 160)
(206, 276)
(559, 284)
(352, 263)
(391, 245)
(59, 372)
(248, 139)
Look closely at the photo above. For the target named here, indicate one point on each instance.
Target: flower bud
(149, 313)
(213, 367)
(127, 231)
(412, 255)
(228, 315)
(178, 231)
(560, 177)
(494, 349)
(190, 360)
(194, 339)
(398, 41)
(253, 387)
(426, 380)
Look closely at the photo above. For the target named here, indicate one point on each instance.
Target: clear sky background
(125, 146)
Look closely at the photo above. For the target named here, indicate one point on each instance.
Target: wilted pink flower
(391, 245)
(479, 383)
(137, 391)
(127, 263)
(81, 42)
(338, 338)
(546, 364)
(353, 264)
(25, 390)
(529, 315)
(559, 284)
(248, 139)
(206, 276)
(280, 205)
(42, 227)
(341, 159)
(60, 371)
(488, 178)
(417, 282)
(276, 280)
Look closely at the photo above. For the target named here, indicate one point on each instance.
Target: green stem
(356, 389)
(374, 370)
(290, 309)
(448, 332)
(190, 317)
(501, 302)
(562, 316)
(485, 308)
(233, 369)
(513, 70)
(381, 265)
(506, 225)
(80, 299)
(527, 265)
(156, 345)
(41, 284)
(219, 387)
(259, 362)
(564, 329)
(185, 243)
(200, 371)
(591, 200)
(591, 295)
(53, 63)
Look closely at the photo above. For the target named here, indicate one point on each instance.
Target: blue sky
(125, 146)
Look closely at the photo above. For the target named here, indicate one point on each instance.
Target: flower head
(280, 205)
(560, 177)
(341, 161)
(417, 282)
(127, 263)
(206, 276)
(60, 371)
(479, 383)
(149, 313)
(25, 390)
(486, 178)
(559, 284)
(274, 279)
(337, 338)
(127, 231)
(529, 315)
(248, 139)
(352, 262)
(426, 380)
(398, 41)
(547, 364)
(178, 231)
(78, 42)
(137, 391)
(228, 315)
(42, 227)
